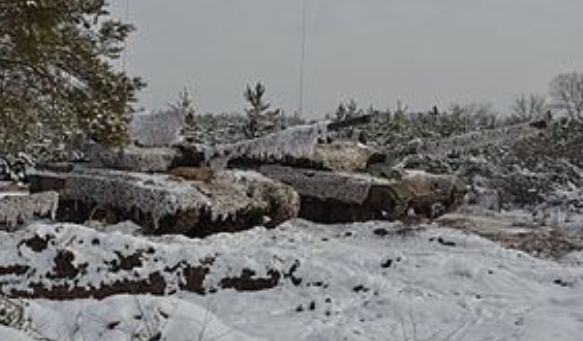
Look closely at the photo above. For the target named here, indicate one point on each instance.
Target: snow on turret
(297, 142)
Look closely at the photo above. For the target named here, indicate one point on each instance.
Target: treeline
(58, 86)
(561, 107)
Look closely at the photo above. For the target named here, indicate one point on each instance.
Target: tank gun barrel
(296, 142)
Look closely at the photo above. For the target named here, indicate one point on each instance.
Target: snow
(157, 128)
(475, 290)
(497, 137)
(562, 209)
(344, 187)
(163, 195)
(366, 281)
(12, 194)
(298, 141)
(124, 317)
(23, 208)
(9, 334)
(160, 194)
(134, 158)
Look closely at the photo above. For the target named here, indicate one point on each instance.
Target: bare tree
(478, 115)
(527, 107)
(567, 93)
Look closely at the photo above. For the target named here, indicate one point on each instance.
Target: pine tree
(56, 77)
(347, 111)
(259, 119)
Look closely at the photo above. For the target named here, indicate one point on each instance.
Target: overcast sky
(422, 52)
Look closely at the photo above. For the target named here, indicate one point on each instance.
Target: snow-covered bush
(157, 128)
(212, 129)
(396, 128)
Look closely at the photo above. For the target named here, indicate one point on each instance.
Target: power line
(303, 56)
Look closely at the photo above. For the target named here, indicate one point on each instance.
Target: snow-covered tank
(343, 181)
(199, 190)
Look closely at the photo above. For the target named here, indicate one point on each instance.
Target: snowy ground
(372, 281)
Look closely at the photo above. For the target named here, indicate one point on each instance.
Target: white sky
(422, 52)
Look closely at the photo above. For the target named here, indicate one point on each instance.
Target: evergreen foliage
(260, 120)
(56, 78)
(345, 111)
(399, 127)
